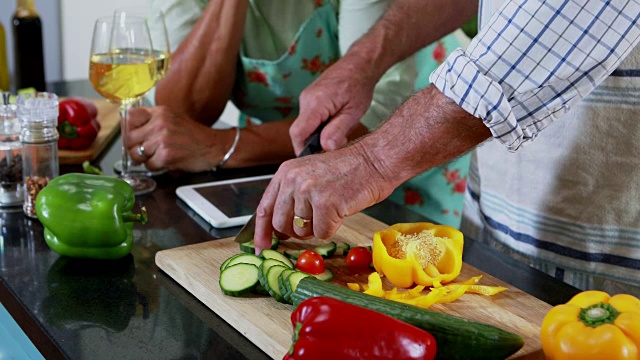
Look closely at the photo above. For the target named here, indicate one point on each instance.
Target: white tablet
(225, 203)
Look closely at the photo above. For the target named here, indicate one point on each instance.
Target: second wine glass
(122, 69)
(162, 52)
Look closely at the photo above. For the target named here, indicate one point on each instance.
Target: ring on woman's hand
(141, 152)
(300, 222)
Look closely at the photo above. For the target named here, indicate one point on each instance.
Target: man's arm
(343, 92)
(427, 130)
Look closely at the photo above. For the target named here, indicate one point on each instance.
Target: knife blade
(311, 146)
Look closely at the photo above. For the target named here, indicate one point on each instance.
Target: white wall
(77, 19)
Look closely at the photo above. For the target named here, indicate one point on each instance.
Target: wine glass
(122, 69)
(162, 51)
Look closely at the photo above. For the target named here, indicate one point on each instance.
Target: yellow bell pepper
(444, 256)
(593, 325)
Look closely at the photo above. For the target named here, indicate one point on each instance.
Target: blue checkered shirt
(535, 59)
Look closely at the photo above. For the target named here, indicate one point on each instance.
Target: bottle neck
(26, 8)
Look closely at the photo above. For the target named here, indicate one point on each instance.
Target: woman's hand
(174, 142)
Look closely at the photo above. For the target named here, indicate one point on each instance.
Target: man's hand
(325, 188)
(341, 95)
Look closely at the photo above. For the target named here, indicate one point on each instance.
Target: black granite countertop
(130, 309)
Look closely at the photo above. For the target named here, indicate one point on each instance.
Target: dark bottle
(27, 41)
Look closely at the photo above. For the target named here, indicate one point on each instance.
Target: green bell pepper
(88, 216)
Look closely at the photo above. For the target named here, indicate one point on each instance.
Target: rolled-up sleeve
(535, 59)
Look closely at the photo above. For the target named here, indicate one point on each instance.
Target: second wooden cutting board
(266, 322)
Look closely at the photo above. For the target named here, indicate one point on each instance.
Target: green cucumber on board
(272, 281)
(250, 248)
(238, 279)
(263, 278)
(326, 275)
(276, 255)
(342, 248)
(326, 250)
(293, 280)
(242, 259)
(282, 279)
(294, 254)
(226, 262)
(457, 338)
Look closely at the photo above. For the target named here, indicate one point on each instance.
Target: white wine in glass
(122, 69)
(162, 53)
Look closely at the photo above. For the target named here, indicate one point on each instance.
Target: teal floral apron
(438, 193)
(268, 90)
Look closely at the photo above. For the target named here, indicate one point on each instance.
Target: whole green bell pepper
(88, 216)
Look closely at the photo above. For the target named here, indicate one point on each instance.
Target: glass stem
(124, 111)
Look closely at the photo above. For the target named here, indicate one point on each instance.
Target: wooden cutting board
(266, 322)
(109, 118)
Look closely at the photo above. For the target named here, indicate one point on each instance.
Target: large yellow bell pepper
(407, 271)
(593, 325)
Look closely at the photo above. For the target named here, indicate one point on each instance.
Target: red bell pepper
(77, 123)
(327, 328)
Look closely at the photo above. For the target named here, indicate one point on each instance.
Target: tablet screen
(237, 199)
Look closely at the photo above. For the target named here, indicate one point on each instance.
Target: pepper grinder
(38, 115)
(10, 155)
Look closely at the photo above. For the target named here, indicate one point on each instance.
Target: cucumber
(236, 280)
(242, 259)
(263, 276)
(272, 254)
(457, 338)
(224, 263)
(249, 248)
(292, 282)
(326, 250)
(326, 275)
(282, 279)
(342, 248)
(294, 254)
(272, 280)
(259, 290)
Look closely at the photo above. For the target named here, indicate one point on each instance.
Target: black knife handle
(312, 145)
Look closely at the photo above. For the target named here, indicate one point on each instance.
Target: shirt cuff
(460, 79)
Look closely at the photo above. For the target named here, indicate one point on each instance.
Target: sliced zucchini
(236, 280)
(272, 280)
(326, 250)
(276, 255)
(243, 259)
(326, 275)
(294, 254)
(224, 263)
(259, 290)
(342, 248)
(282, 279)
(249, 247)
(294, 279)
(264, 268)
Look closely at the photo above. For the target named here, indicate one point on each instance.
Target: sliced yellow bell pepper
(593, 325)
(406, 271)
(354, 286)
(375, 285)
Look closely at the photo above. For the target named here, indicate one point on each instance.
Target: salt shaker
(11, 192)
(38, 115)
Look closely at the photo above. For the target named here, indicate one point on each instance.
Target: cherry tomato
(359, 256)
(310, 262)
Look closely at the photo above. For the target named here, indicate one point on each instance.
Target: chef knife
(311, 146)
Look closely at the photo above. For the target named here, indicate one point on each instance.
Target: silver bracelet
(230, 152)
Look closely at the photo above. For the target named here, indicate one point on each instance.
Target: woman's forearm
(268, 143)
(203, 68)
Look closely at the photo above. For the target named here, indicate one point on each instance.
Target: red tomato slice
(310, 262)
(359, 256)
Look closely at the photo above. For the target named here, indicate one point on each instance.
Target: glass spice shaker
(38, 115)
(10, 155)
